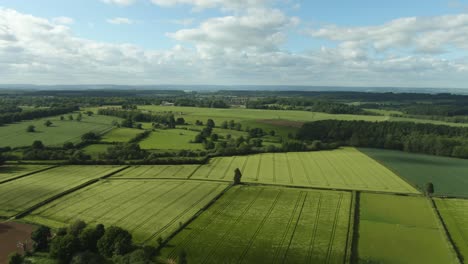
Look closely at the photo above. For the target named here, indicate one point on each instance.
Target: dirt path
(10, 234)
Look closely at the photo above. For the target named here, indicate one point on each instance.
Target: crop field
(121, 135)
(157, 171)
(19, 195)
(398, 229)
(268, 225)
(12, 171)
(345, 168)
(15, 135)
(148, 209)
(455, 215)
(449, 175)
(171, 139)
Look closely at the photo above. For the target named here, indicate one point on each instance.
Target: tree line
(11, 117)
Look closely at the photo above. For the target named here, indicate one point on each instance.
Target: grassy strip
(27, 174)
(353, 234)
(453, 246)
(51, 199)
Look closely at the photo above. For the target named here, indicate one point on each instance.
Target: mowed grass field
(398, 229)
(171, 139)
(455, 215)
(19, 195)
(449, 175)
(268, 225)
(157, 171)
(12, 171)
(15, 135)
(121, 135)
(345, 168)
(148, 209)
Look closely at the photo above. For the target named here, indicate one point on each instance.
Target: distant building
(165, 103)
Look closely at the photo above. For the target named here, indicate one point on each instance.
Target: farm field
(19, 195)
(398, 229)
(95, 149)
(149, 209)
(449, 175)
(171, 139)
(12, 171)
(268, 225)
(120, 135)
(157, 171)
(455, 215)
(346, 168)
(15, 135)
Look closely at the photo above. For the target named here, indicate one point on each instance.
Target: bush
(41, 236)
(15, 258)
(115, 241)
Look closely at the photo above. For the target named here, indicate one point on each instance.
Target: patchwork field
(398, 229)
(157, 171)
(15, 135)
(95, 149)
(122, 134)
(171, 139)
(449, 175)
(19, 195)
(455, 215)
(268, 225)
(345, 168)
(148, 209)
(12, 171)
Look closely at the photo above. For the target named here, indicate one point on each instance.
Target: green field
(268, 225)
(171, 139)
(398, 229)
(95, 149)
(15, 135)
(19, 195)
(12, 171)
(158, 171)
(120, 135)
(455, 215)
(449, 175)
(345, 168)
(148, 209)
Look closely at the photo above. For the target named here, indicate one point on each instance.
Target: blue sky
(351, 43)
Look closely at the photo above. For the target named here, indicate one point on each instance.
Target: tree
(89, 113)
(62, 248)
(41, 236)
(70, 117)
(180, 121)
(237, 176)
(87, 258)
(224, 125)
(89, 137)
(62, 118)
(15, 258)
(210, 123)
(90, 236)
(31, 129)
(79, 117)
(128, 122)
(429, 188)
(48, 123)
(68, 145)
(214, 137)
(76, 227)
(115, 241)
(2, 159)
(37, 144)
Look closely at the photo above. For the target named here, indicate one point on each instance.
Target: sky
(235, 42)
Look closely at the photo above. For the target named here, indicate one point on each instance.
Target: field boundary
(449, 238)
(354, 252)
(57, 196)
(350, 234)
(28, 174)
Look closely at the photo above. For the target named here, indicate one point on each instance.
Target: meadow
(15, 135)
(149, 209)
(268, 225)
(157, 171)
(120, 135)
(455, 215)
(95, 149)
(18, 195)
(171, 139)
(399, 229)
(345, 168)
(12, 171)
(449, 175)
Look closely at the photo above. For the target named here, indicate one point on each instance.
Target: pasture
(15, 135)
(171, 139)
(18, 195)
(149, 209)
(268, 225)
(449, 175)
(12, 171)
(157, 171)
(95, 149)
(398, 229)
(455, 215)
(120, 135)
(345, 168)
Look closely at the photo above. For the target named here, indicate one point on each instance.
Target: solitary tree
(237, 176)
(37, 144)
(31, 129)
(47, 123)
(429, 188)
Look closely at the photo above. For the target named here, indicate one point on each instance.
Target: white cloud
(120, 21)
(120, 2)
(183, 22)
(63, 20)
(223, 4)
